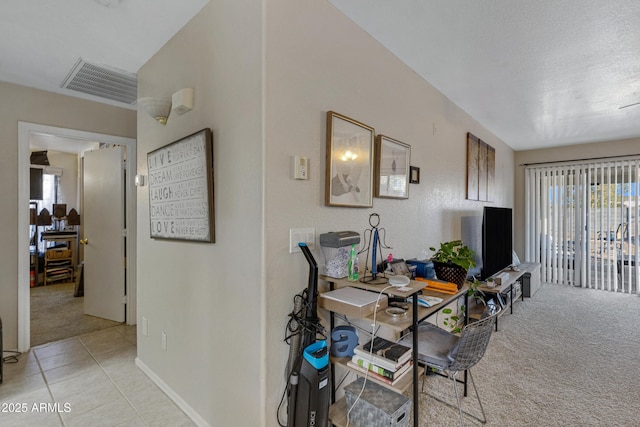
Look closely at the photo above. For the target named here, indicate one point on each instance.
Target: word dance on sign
(181, 189)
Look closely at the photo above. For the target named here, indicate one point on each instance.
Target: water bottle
(356, 268)
(352, 267)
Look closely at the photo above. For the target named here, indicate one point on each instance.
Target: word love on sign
(181, 189)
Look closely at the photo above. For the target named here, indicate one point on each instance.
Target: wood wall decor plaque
(481, 170)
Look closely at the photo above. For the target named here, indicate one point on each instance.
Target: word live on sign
(179, 190)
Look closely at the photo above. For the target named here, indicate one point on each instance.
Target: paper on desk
(430, 300)
(352, 296)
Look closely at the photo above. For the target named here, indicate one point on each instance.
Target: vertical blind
(582, 224)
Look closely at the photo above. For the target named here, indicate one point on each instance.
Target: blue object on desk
(344, 339)
(374, 258)
(424, 268)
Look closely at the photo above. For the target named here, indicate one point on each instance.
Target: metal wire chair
(451, 354)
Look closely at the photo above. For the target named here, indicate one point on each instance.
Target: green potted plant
(491, 283)
(474, 292)
(452, 261)
(450, 319)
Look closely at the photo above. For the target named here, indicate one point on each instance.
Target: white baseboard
(191, 413)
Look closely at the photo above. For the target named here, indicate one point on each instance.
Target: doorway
(25, 132)
(583, 222)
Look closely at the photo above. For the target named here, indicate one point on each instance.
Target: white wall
(263, 82)
(318, 60)
(68, 182)
(209, 298)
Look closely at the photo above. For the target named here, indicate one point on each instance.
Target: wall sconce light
(157, 108)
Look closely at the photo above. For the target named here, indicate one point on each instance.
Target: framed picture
(349, 157)
(392, 168)
(414, 175)
(399, 266)
(181, 189)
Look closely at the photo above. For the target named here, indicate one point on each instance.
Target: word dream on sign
(179, 191)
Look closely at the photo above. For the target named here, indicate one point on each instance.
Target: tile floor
(90, 380)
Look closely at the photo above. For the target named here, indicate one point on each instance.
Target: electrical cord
(13, 358)
(299, 318)
(373, 335)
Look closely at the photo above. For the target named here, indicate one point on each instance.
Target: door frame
(25, 130)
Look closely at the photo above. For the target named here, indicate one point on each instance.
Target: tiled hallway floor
(90, 380)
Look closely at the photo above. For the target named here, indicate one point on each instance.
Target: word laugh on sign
(180, 189)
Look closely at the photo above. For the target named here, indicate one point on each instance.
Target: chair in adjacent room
(451, 354)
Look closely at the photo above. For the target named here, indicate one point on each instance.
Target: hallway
(86, 380)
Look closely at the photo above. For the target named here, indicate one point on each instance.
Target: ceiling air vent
(105, 82)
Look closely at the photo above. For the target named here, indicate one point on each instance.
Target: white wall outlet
(145, 326)
(164, 340)
(297, 235)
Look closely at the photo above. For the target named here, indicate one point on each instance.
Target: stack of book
(388, 361)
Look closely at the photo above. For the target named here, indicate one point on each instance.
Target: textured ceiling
(41, 40)
(535, 73)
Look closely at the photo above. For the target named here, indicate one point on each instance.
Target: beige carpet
(56, 314)
(566, 357)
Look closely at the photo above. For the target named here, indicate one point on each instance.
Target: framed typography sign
(181, 189)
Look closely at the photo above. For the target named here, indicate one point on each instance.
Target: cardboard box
(352, 302)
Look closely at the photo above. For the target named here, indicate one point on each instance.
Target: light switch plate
(306, 235)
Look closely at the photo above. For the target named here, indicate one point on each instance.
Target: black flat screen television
(497, 240)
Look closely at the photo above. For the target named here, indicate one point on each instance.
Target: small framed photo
(392, 168)
(414, 175)
(400, 267)
(349, 157)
